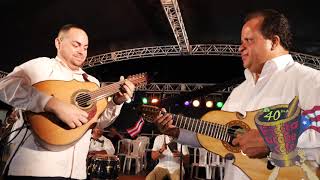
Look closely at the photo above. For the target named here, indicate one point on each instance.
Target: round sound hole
(83, 100)
(235, 127)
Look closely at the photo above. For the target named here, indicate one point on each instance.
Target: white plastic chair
(145, 139)
(216, 161)
(200, 159)
(124, 147)
(137, 153)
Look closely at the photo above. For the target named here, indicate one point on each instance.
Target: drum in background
(103, 167)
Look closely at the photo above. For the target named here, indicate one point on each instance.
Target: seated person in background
(168, 155)
(100, 145)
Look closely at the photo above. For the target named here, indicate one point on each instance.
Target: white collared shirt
(280, 81)
(31, 159)
(103, 143)
(167, 160)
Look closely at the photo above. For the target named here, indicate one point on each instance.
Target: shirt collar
(273, 65)
(79, 71)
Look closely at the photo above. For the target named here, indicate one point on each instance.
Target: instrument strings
(84, 99)
(230, 130)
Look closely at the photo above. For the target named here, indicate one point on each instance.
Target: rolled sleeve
(15, 90)
(109, 115)
(188, 137)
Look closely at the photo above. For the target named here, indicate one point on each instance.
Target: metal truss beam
(175, 88)
(196, 50)
(173, 13)
(173, 50)
(136, 53)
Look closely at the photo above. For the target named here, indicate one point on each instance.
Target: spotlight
(154, 100)
(219, 104)
(187, 103)
(144, 100)
(196, 103)
(209, 104)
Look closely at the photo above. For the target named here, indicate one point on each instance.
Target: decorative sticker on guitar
(280, 127)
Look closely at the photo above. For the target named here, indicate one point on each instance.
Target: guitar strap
(85, 77)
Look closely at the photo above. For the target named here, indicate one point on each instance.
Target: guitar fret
(188, 124)
(198, 125)
(193, 125)
(211, 130)
(206, 129)
(215, 130)
(201, 126)
(184, 123)
(224, 133)
(219, 131)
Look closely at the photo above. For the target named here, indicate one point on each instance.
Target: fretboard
(218, 131)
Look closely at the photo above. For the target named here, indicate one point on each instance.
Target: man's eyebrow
(79, 43)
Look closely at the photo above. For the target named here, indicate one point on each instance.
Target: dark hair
(67, 27)
(274, 23)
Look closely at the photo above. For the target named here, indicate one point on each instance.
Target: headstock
(149, 113)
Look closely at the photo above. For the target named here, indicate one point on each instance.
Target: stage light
(209, 104)
(219, 104)
(154, 100)
(144, 100)
(187, 103)
(196, 103)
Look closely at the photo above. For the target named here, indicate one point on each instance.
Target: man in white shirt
(169, 158)
(31, 159)
(100, 145)
(272, 77)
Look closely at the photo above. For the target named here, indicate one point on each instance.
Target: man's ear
(275, 42)
(57, 43)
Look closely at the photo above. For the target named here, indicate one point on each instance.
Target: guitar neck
(218, 131)
(107, 91)
(114, 88)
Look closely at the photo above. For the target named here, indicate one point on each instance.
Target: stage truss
(196, 50)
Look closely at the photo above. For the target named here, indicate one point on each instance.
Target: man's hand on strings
(251, 144)
(126, 93)
(164, 122)
(68, 113)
